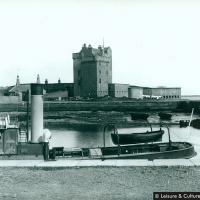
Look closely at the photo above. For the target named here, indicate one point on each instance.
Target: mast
(27, 110)
(190, 122)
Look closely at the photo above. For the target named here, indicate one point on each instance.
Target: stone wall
(118, 90)
(10, 99)
(56, 87)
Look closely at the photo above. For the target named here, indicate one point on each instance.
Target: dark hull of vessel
(150, 151)
(195, 123)
(173, 150)
(165, 116)
(137, 116)
(135, 138)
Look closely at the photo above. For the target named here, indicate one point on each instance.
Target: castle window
(99, 71)
(99, 80)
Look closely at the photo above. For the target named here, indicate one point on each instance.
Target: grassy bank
(108, 105)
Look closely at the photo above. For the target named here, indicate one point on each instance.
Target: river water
(92, 135)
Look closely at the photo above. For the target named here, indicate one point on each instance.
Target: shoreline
(121, 119)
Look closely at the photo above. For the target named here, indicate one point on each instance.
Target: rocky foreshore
(70, 118)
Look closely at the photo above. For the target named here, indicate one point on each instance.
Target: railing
(115, 132)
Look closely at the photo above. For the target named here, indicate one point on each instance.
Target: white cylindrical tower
(36, 113)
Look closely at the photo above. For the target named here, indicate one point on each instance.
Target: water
(92, 136)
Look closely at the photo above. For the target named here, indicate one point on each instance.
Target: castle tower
(92, 71)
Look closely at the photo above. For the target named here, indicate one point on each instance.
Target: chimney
(17, 82)
(36, 113)
(46, 81)
(38, 79)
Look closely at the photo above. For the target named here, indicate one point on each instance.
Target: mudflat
(95, 183)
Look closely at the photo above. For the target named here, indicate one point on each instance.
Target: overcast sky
(154, 43)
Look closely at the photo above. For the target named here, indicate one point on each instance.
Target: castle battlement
(92, 54)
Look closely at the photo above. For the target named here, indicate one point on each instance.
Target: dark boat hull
(165, 116)
(150, 151)
(135, 138)
(176, 150)
(137, 116)
(195, 123)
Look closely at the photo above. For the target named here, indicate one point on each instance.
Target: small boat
(195, 123)
(134, 138)
(168, 150)
(184, 123)
(165, 116)
(136, 116)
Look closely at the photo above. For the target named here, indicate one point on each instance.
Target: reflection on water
(92, 135)
(78, 136)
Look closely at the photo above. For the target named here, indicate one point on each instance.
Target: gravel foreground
(95, 183)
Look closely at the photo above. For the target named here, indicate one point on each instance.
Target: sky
(154, 43)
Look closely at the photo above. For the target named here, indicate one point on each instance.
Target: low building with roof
(135, 92)
(55, 90)
(162, 92)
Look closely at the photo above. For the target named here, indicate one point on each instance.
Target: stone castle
(93, 78)
(92, 71)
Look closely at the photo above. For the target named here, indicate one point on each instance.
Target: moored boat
(168, 150)
(147, 151)
(134, 138)
(165, 116)
(195, 123)
(173, 150)
(137, 116)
